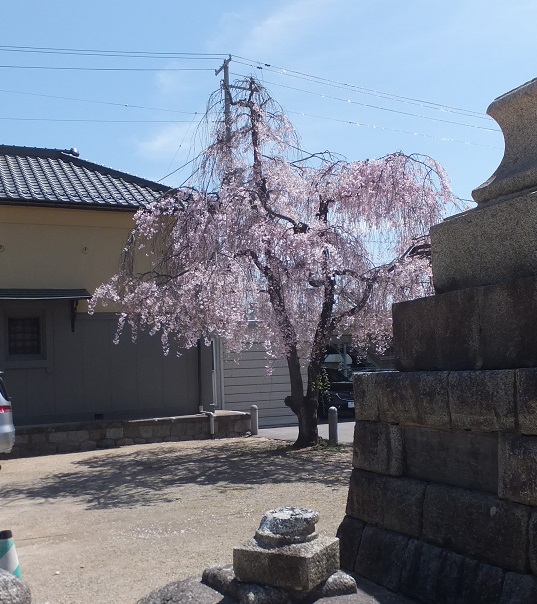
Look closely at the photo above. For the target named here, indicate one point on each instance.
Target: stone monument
(286, 561)
(442, 504)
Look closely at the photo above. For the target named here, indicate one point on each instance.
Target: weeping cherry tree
(270, 245)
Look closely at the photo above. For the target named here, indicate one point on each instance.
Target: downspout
(200, 404)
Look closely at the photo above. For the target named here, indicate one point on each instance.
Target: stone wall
(87, 436)
(442, 501)
(443, 493)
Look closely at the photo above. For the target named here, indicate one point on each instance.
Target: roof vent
(72, 151)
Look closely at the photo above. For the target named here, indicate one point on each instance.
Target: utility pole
(227, 98)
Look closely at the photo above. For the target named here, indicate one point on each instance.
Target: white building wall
(247, 383)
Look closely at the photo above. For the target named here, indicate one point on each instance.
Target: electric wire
(359, 89)
(349, 101)
(123, 105)
(136, 69)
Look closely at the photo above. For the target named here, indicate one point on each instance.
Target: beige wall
(56, 248)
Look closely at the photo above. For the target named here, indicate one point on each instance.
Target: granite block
(464, 459)
(392, 503)
(482, 400)
(477, 525)
(378, 447)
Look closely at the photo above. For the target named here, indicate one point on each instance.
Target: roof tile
(52, 177)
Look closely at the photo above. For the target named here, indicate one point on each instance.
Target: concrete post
(254, 420)
(332, 426)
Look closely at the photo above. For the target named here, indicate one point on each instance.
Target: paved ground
(290, 433)
(110, 526)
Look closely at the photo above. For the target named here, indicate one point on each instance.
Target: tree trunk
(304, 407)
(308, 434)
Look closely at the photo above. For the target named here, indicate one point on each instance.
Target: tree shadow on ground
(145, 476)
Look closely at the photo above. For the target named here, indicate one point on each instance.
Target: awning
(44, 294)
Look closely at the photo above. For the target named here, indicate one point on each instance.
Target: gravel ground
(110, 526)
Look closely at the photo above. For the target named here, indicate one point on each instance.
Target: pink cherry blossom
(269, 245)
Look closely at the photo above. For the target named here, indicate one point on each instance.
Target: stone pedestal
(442, 503)
(286, 561)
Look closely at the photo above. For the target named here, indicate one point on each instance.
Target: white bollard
(332, 426)
(254, 420)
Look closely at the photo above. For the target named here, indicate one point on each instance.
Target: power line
(420, 134)
(56, 68)
(124, 105)
(112, 53)
(97, 121)
(358, 89)
(423, 117)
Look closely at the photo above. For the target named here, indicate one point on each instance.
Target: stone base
(299, 567)
(222, 578)
(194, 591)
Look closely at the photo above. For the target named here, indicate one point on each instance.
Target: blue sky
(459, 54)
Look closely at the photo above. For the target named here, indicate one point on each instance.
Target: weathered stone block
(114, 433)
(380, 557)
(365, 399)
(57, 437)
(436, 575)
(97, 434)
(526, 387)
(38, 438)
(349, 534)
(88, 445)
(77, 436)
(177, 429)
(492, 327)
(378, 447)
(161, 430)
(532, 530)
(508, 324)
(464, 459)
(477, 525)
(389, 502)
(518, 468)
(299, 567)
(146, 431)
(418, 398)
(67, 447)
(122, 442)
(437, 332)
(519, 589)
(484, 246)
(131, 430)
(106, 443)
(482, 400)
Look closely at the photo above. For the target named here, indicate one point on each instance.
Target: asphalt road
(290, 433)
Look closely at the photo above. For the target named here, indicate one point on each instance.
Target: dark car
(337, 392)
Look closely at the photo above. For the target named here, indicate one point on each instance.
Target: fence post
(332, 426)
(254, 420)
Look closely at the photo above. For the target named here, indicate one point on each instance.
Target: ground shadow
(131, 477)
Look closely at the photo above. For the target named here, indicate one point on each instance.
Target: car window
(3, 390)
(334, 375)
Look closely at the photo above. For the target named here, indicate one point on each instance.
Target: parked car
(338, 393)
(7, 429)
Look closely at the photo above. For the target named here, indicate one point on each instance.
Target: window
(24, 336)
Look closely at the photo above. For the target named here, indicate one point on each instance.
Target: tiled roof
(52, 177)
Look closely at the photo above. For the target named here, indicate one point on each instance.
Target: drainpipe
(200, 404)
